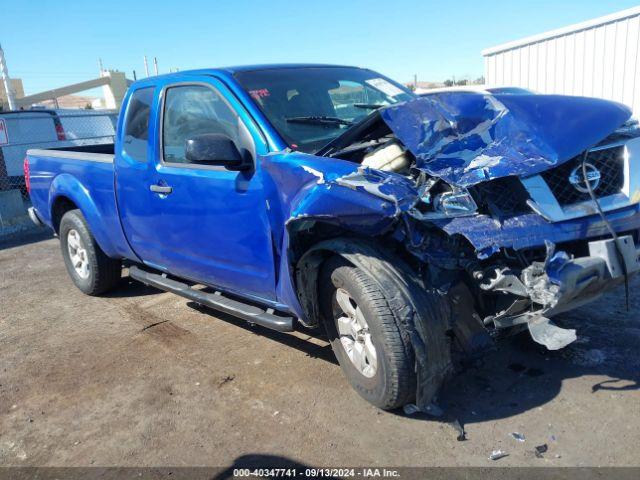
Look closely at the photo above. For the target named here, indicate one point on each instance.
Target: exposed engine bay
(503, 210)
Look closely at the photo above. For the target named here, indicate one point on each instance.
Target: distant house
(74, 101)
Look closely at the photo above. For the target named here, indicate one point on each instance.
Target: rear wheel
(365, 336)
(91, 270)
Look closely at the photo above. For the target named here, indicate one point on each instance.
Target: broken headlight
(457, 202)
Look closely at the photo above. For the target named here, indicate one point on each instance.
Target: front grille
(609, 163)
(502, 197)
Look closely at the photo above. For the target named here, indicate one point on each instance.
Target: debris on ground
(154, 324)
(518, 436)
(540, 449)
(462, 435)
(431, 409)
(498, 454)
(410, 409)
(227, 379)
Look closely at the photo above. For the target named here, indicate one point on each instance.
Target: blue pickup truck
(414, 230)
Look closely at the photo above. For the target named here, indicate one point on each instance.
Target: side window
(192, 110)
(136, 126)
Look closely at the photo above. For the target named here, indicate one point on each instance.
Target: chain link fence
(27, 129)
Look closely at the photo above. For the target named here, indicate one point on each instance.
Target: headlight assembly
(456, 203)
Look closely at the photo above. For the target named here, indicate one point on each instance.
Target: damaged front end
(556, 284)
(501, 214)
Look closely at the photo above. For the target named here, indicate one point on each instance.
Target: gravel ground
(141, 378)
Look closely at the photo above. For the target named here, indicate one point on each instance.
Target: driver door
(204, 222)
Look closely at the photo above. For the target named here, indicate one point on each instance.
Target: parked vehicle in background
(411, 229)
(483, 89)
(44, 128)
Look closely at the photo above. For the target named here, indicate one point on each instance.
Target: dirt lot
(146, 378)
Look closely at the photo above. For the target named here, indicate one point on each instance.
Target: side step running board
(217, 301)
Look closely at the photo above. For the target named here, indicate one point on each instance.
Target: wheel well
(311, 247)
(61, 205)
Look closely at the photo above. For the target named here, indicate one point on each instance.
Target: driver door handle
(163, 189)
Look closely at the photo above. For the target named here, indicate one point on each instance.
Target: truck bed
(99, 152)
(84, 176)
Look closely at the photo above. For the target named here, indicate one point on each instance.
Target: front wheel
(365, 336)
(90, 269)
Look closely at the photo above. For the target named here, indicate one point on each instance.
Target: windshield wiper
(319, 120)
(369, 106)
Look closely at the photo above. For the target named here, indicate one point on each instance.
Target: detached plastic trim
(33, 215)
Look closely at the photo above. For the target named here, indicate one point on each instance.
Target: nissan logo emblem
(577, 180)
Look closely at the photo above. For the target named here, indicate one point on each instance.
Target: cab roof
(230, 71)
(273, 66)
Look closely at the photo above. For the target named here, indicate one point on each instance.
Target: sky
(54, 43)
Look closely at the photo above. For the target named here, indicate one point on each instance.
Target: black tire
(394, 382)
(103, 272)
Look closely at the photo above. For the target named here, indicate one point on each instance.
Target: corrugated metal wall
(599, 58)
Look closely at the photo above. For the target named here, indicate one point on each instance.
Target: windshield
(310, 106)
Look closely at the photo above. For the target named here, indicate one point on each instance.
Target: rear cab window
(136, 127)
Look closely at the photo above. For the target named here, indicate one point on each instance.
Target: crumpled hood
(467, 138)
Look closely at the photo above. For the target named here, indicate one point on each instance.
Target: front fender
(304, 189)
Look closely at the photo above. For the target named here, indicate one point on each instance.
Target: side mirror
(217, 149)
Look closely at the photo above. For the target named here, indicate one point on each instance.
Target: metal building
(597, 58)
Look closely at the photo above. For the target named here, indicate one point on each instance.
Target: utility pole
(155, 65)
(135, 77)
(146, 66)
(415, 80)
(11, 99)
(100, 66)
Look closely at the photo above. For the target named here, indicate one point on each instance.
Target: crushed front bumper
(559, 284)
